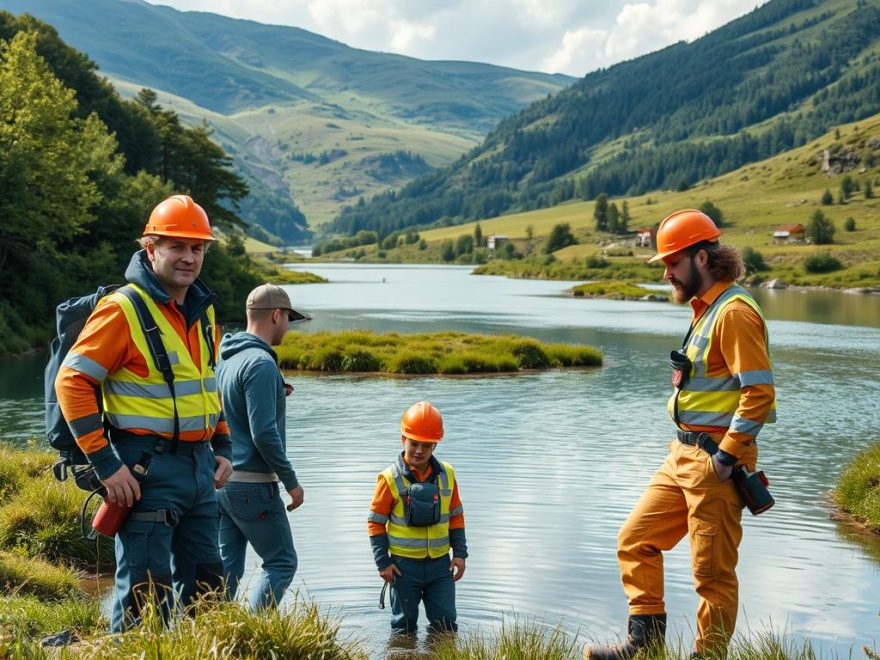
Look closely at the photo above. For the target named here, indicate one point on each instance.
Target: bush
(354, 359)
(823, 262)
(530, 355)
(849, 224)
(827, 198)
(560, 237)
(820, 229)
(753, 260)
(411, 363)
(594, 261)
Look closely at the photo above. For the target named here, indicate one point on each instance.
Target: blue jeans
(177, 558)
(255, 513)
(427, 580)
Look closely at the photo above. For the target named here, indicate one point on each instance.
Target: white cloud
(568, 36)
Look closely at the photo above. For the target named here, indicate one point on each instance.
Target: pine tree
(600, 213)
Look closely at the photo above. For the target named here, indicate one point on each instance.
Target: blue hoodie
(252, 390)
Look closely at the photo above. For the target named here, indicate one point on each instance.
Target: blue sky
(556, 36)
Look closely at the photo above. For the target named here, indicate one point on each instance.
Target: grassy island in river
(428, 353)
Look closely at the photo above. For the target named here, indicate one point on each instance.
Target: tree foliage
(727, 100)
(820, 229)
(70, 204)
(560, 237)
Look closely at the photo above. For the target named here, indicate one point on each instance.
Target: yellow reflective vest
(137, 402)
(418, 542)
(713, 401)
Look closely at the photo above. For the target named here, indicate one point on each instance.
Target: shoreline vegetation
(858, 489)
(443, 353)
(615, 290)
(45, 591)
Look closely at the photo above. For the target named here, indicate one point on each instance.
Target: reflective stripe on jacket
(706, 400)
(132, 401)
(418, 542)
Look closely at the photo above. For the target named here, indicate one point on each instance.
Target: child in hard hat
(415, 518)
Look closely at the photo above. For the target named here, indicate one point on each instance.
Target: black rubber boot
(644, 630)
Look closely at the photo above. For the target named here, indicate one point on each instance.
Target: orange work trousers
(686, 497)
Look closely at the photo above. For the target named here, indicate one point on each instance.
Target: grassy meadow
(449, 353)
(755, 200)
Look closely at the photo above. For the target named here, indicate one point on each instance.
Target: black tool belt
(698, 439)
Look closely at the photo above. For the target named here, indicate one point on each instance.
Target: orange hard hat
(179, 217)
(683, 229)
(422, 422)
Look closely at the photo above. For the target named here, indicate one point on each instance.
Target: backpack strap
(208, 334)
(157, 351)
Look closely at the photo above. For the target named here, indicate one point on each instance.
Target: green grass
(613, 290)
(528, 640)
(428, 353)
(229, 630)
(24, 575)
(576, 269)
(858, 489)
(25, 619)
(39, 516)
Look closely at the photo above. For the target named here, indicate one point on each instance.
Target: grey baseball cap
(270, 296)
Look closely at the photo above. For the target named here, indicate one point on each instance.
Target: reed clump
(428, 353)
(613, 290)
(858, 489)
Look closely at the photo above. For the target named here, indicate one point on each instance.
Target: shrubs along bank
(613, 290)
(858, 491)
(448, 353)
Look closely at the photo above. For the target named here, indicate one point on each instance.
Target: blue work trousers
(427, 580)
(175, 555)
(255, 513)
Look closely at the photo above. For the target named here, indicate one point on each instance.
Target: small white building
(495, 240)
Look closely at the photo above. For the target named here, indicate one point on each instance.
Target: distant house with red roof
(789, 234)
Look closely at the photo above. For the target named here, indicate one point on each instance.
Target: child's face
(417, 454)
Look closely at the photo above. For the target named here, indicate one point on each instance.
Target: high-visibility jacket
(706, 400)
(418, 542)
(145, 402)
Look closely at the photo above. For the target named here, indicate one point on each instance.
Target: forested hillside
(311, 122)
(80, 170)
(766, 82)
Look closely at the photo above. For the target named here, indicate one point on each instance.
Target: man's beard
(683, 292)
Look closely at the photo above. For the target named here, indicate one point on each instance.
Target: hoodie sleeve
(260, 386)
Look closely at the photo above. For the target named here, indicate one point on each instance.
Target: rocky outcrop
(839, 159)
(777, 283)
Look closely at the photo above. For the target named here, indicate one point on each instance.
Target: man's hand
(388, 574)
(122, 488)
(296, 498)
(223, 471)
(722, 471)
(456, 567)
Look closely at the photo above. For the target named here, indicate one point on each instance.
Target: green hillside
(756, 200)
(767, 82)
(318, 123)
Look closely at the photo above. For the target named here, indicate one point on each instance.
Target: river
(551, 463)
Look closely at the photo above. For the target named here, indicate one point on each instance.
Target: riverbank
(447, 353)
(858, 489)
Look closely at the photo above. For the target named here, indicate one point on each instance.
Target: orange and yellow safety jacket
(111, 353)
(729, 391)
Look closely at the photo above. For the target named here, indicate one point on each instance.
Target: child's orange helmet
(422, 422)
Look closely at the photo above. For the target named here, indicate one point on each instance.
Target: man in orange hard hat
(416, 517)
(167, 547)
(723, 394)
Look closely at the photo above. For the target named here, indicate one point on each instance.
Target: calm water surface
(550, 464)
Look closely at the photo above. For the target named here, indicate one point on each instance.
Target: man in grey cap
(253, 394)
